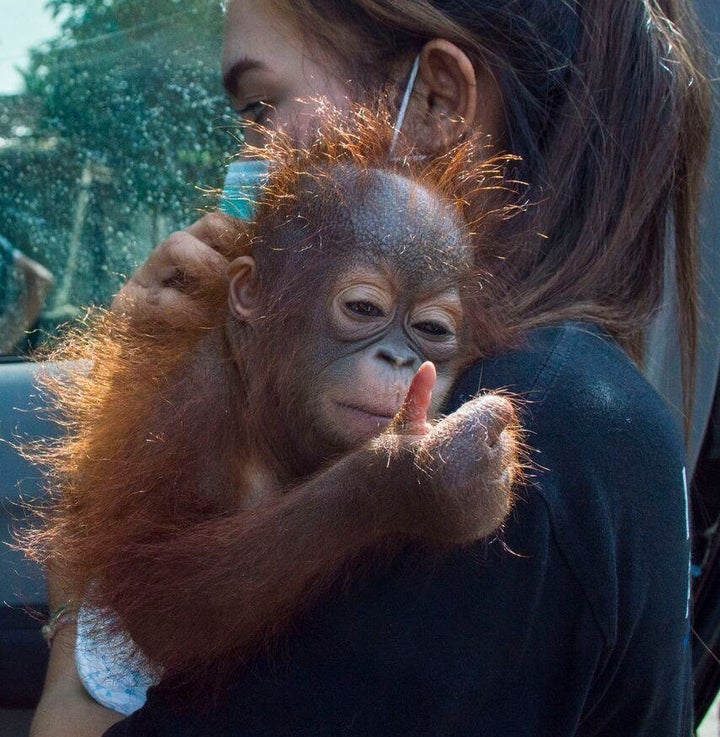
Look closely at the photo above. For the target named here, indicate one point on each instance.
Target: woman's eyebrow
(231, 76)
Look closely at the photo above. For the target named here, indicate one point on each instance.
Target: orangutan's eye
(364, 309)
(435, 329)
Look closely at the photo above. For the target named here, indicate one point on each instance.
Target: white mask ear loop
(405, 101)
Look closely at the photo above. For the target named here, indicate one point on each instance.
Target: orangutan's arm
(226, 585)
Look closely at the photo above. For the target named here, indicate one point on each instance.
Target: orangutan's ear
(244, 291)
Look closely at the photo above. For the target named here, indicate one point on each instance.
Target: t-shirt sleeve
(608, 464)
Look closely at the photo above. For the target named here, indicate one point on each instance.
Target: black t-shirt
(574, 621)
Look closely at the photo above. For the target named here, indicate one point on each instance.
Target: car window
(113, 126)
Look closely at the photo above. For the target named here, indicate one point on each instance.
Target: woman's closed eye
(254, 113)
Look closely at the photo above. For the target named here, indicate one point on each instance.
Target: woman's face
(267, 68)
(272, 75)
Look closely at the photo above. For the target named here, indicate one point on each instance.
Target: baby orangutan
(217, 477)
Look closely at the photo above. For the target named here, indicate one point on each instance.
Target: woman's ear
(449, 98)
(244, 290)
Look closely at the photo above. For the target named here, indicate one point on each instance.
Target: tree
(130, 119)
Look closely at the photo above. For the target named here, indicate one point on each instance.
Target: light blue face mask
(243, 181)
(244, 178)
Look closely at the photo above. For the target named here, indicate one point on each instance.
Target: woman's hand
(66, 709)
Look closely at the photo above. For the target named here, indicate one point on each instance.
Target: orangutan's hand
(163, 287)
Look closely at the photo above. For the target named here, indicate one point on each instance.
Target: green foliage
(134, 84)
(127, 121)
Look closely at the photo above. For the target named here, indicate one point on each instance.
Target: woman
(577, 623)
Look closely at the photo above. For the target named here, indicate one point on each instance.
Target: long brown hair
(609, 107)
